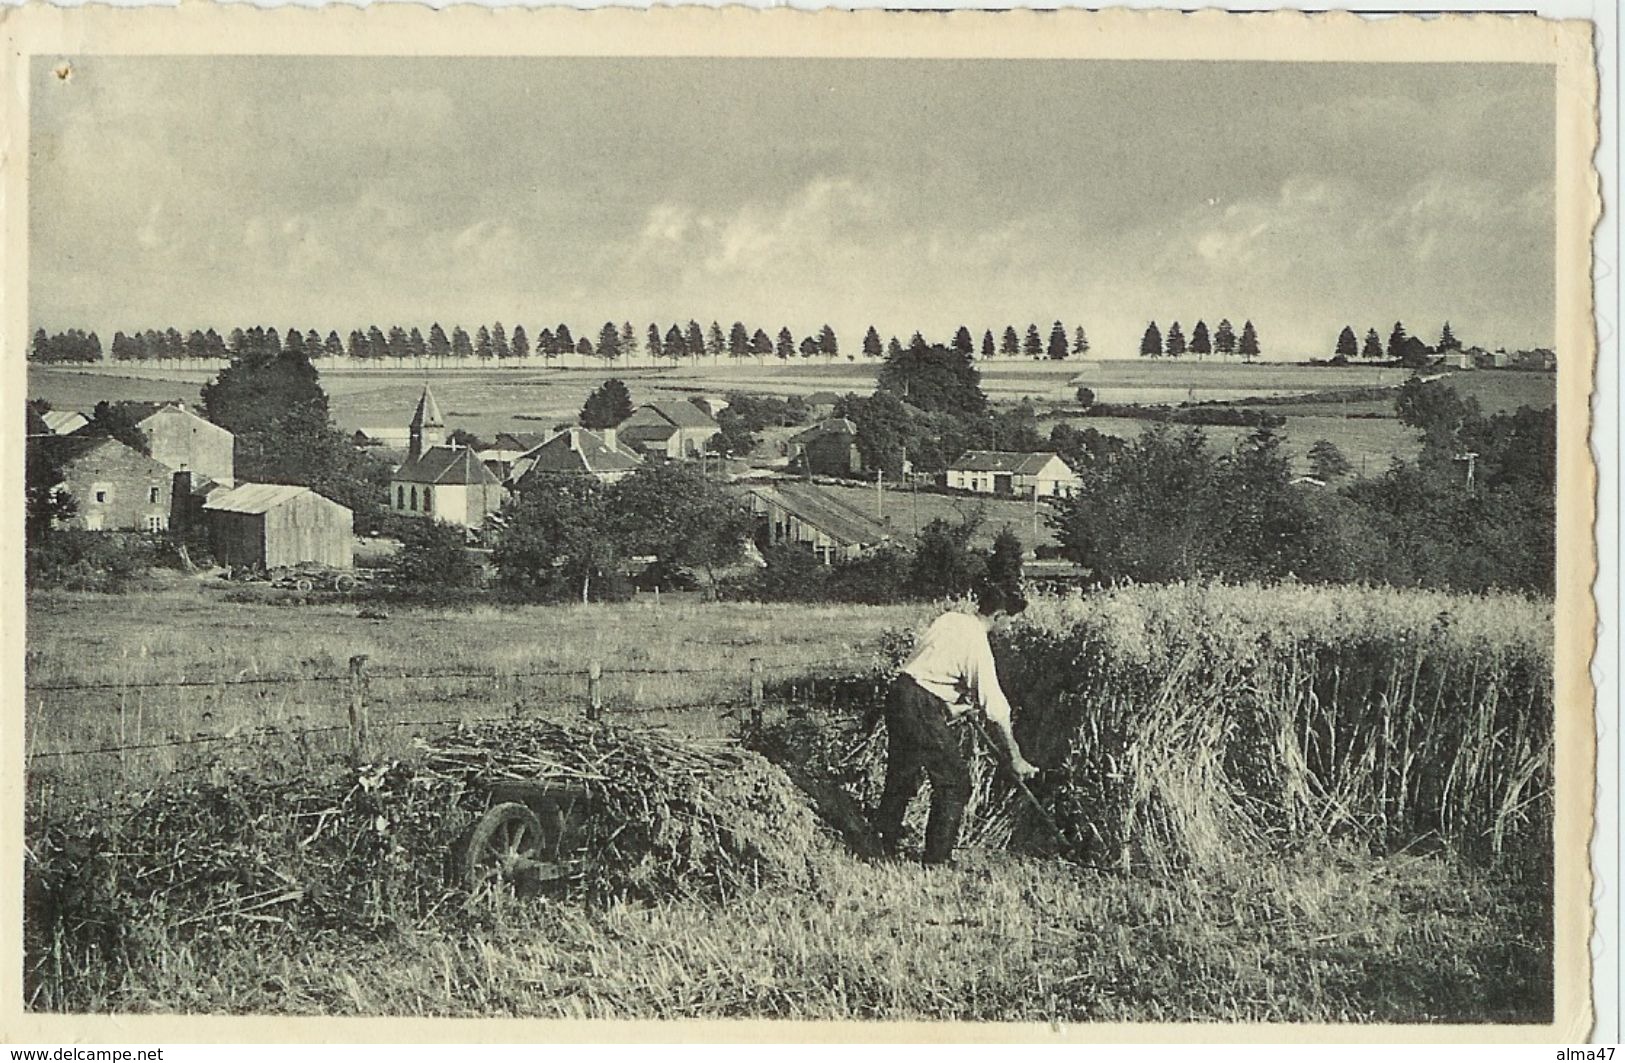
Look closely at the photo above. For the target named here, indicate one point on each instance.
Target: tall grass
(1200, 724)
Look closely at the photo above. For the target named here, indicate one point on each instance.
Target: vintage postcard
(722, 525)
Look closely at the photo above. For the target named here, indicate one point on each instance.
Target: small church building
(441, 481)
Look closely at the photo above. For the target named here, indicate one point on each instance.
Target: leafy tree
(871, 344)
(439, 345)
(1086, 397)
(1447, 339)
(989, 348)
(1010, 346)
(558, 539)
(1032, 345)
(1396, 342)
(715, 341)
(1175, 341)
(1004, 566)
(786, 346)
(1080, 342)
(828, 345)
(608, 405)
(45, 504)
(377, 343)
(547, 344)
(433, 555)
(1224, 340)
(934, 379)
(1372, 348)
(584, 347)
(1201, 343)
(629, 340)
(1347, 345)
(609, 341)
(808, 346)
(564, 338)
(1057, 342)
(893, 348)
(760, 345)
(499, 343)
(738, 341)
(675, 345)
(673, 512)
(521, 343)
(1248, 347)
(944, 564)
(694, 340)
(963, 344)
(657, 349)
(1083, 448)
(115, 421)
(1326, 462)
(275, 406)
(1151, 342)
(483, 349)
(734, 435)
(416, 348)
(461, 348)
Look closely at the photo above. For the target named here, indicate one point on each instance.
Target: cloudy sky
(335, 193)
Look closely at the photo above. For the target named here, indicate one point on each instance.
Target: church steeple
(427, 429)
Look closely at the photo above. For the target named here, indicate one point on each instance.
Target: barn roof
(830, 426)
(576, 451)
(680, 414)
(822, 398)
(1015, 462)
(446, 465)
(837, 518)
(64, 422)
(256, 498)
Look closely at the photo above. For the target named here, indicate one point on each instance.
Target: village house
(439, 481)
(805, 516)
(576, 452)
(829, 448)
(999, 472)
(822, 403)
(188, 443)
(508, 448)
(115, 486)
(671, 430)
(268, 526)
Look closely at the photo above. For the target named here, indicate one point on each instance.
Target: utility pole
(880, 496)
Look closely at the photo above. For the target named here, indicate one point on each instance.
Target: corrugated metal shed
(254, 498)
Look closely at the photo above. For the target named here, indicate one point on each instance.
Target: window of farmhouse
(428, 505)
(400, 497)
(152, 494)
(101, 492)
(414, 498)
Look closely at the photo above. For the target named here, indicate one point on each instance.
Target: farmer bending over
(950, 673)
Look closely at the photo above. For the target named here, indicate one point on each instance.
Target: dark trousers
(920, 742)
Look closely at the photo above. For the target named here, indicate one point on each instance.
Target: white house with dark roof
(668, 429)
(1003, 472)
(576, 452)
(442, 482)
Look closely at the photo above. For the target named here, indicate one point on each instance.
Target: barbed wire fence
(364, 700)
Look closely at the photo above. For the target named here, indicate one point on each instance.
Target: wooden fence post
(755, 693)
(358, 707)
(595, 696)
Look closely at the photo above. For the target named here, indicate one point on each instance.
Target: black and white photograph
(1069, 522)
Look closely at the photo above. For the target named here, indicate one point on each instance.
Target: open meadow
(1255, 772)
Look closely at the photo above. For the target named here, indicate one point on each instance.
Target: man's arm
(996, 710)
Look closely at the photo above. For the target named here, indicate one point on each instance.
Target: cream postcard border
(63, 33)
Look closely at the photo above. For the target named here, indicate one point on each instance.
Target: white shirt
(955, 662)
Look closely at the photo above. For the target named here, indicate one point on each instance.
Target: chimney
(180, 500)
(574, 441)
(609, 438)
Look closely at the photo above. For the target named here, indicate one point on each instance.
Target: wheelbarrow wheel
(504, 846)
